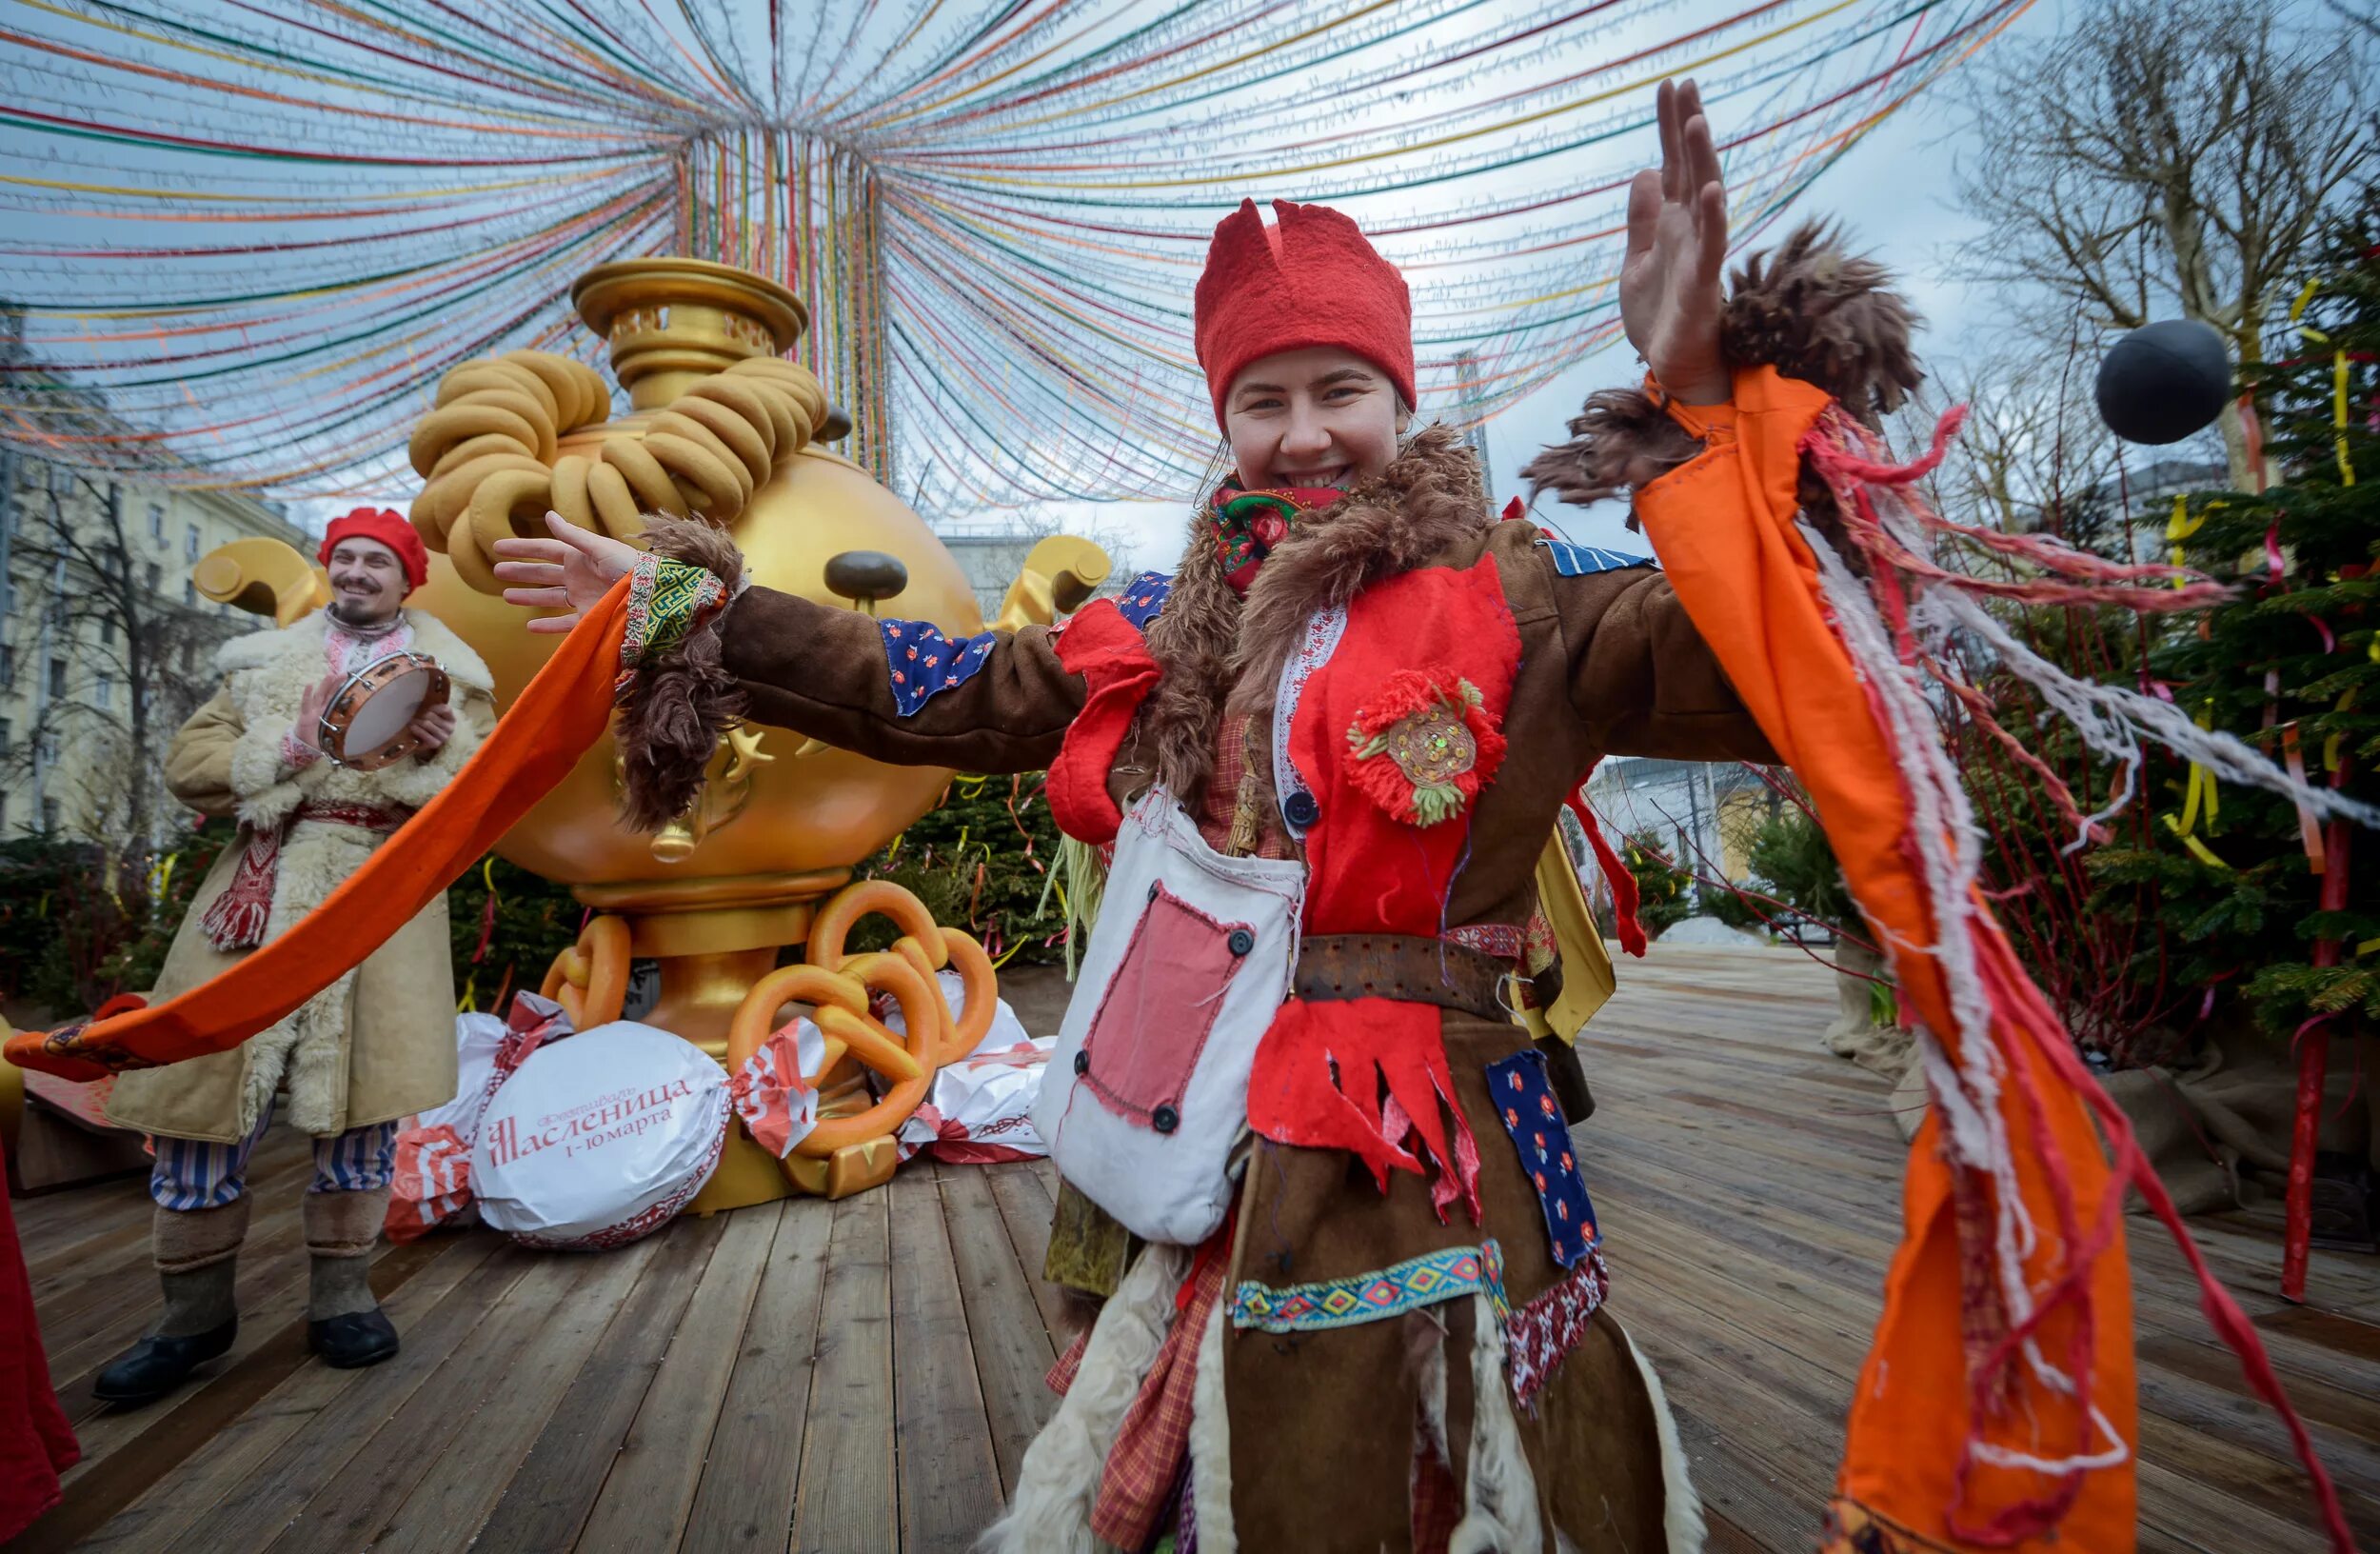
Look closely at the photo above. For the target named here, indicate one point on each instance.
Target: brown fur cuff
(680, 699)
(1809, 309)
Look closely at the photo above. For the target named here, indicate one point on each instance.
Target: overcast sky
(1893, 192)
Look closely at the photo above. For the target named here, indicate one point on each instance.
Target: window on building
(7, 665)
(190, 541)
(157, 521)
(113, 564)
(153, 577)
(57, 677)
(48, 814)
(4, 813)
(8, 741)
(107, 632)
(189, 593)
(104, 693)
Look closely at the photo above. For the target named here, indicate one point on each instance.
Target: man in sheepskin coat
(378, 1044)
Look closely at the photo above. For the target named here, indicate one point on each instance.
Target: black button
(1242, 940)
(1165, 1119)
(1154, 887)
(1301, 809)
(1083, 1062)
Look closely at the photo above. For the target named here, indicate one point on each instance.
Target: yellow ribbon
(2338, 379)
(2199, 787)
(2182, 526)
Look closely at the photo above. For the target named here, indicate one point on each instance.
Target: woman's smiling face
(1321, 416)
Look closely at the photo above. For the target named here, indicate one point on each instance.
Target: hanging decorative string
(246, 239)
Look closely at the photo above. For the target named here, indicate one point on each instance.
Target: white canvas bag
(1147, 1093)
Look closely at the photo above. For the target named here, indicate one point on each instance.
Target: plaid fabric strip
(1369, 1297)
(1146, 1463)
(1220, 804)
(1060, 1377)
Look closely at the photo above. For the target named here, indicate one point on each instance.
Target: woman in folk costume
(377, 1042)
(1328, 751)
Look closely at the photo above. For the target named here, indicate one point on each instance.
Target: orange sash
(1724, 528)
(562, 712)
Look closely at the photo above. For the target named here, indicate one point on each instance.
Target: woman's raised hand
(569, 572)
(1670, 298)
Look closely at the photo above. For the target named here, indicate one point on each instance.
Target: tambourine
(365, 725)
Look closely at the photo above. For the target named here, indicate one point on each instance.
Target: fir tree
(2291, 664)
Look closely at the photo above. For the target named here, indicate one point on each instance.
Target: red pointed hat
(391, 529)
(1311, 279)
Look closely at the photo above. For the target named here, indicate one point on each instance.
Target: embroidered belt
(1408, 967)
(370, 817)
(1370, 1297)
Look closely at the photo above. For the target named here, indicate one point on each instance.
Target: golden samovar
(719, 428)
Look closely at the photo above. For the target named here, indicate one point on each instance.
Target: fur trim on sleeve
(268, 791)
(1807, 309)
(681, 700)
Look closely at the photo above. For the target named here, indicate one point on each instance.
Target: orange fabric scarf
(1948, 1413)
(1724, 527)
(562, 712)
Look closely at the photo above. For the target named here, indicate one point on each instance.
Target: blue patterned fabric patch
(923, 662)
(1370, 1297)
(1525, 1100)
(1584, 560)
(1142, 598)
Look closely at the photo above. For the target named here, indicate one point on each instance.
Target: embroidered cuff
(668, 601)
(296, 754)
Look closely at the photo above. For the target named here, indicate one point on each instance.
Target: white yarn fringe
(1059, 1481)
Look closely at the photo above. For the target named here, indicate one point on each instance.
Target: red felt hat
(387, 527)
(1313, 279)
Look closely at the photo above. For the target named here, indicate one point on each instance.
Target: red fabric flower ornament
(1424, 747)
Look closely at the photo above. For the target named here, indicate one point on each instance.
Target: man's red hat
(1311, 279)
(391, 529)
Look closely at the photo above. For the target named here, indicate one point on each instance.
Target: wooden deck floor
(865, 1375)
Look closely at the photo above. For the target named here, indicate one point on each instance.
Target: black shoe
(358, 1339)
(156, 1366)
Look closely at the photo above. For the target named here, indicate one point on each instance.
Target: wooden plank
(421, 1390)
(948, 1474)
(546, 1502)
(745, 1502)
(847, 1500)
(1013, 1352)
(1025, 1209)
(227, 1459)
(471, 1470)
(173, 1433)
(651, 1485)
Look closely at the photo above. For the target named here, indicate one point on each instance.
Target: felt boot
(344, 1323)
(197, 1256)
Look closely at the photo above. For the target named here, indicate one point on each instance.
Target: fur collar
(1222, 657)
(256, 650)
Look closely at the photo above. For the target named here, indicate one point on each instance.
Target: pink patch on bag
(1154, 1020)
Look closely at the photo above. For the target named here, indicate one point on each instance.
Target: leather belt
(1408, 967)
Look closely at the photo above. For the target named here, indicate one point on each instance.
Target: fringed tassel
(236, 920)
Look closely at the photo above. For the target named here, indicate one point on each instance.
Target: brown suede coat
(1322, 1424)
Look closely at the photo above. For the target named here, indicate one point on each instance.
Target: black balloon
(2163, 381)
